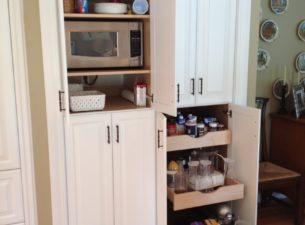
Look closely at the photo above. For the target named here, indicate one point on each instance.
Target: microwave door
(99, 49)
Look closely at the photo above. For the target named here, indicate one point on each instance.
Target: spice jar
(171, 129)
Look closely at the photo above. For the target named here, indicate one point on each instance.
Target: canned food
(81, 6)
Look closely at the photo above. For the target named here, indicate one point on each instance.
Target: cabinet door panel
(245, 127)
(9, 143)
(11, 202)
(89, 170)
(161, 170)
(215, 50)
(163, 60)
(186, 52)
(134, 168)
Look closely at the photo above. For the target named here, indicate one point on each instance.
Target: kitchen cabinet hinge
(61, 100)
(151, 97)
(228, 113)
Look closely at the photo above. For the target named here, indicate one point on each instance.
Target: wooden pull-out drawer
(182, 142)
(232, 190)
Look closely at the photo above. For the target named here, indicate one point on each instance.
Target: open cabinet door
(163, 38)
(161, 169)
(245, 126)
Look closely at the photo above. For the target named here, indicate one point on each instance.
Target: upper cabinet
(193, 52)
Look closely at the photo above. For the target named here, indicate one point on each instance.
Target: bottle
(180, 124)
(181, 180)
(81, 6)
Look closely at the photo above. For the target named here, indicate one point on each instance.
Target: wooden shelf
(232, 190)
(80, 73)
(182, 142)
(119, 103)
(104, 16)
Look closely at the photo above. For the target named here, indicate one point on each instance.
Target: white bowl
(110, 8)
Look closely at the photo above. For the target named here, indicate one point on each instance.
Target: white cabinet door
(89, 170)
(11, 201)
(245, 127)
(186, 52)
(134, 167)
(215, 51)
(161, 169)
(163, 43)
(9, 143)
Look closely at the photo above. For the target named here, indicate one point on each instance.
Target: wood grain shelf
(118, 103)
(182, 142)
(104, 16)
(232, 190)
(80, 73)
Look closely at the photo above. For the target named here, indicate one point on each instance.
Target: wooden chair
(274, 177)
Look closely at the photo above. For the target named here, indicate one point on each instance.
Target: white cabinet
(11, 202)
(89, 169)
(9, 142)
(194, 45)
(243, 146)
(216, 21)
(111, 168)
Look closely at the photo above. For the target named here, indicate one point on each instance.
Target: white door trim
(54, 70)
(242, 51)
(23, 110)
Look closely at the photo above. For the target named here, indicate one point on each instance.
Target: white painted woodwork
(245, 127)
(134, 167)
(163, 52)
(186, 51)
(90, 170)
(215, 51)
(11, 202)
(161, 164)
(9, 142)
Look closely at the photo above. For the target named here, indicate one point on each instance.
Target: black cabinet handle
(159, 145)
(201, 86)
(193, 86)
(178, 93)
(108, 134)
(117, 134)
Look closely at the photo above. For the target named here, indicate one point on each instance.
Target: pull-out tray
(182, 142)
(232, 190)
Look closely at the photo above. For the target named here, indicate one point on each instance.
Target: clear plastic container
(229, 171)
(194, 179)
(181, 184)
(206, 180)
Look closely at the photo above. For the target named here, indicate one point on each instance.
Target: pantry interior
(160, 43)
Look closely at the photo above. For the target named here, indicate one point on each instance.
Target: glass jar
(229, 171)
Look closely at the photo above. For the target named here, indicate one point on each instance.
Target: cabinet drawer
(182, 142)
(232, 190)
(11, 203)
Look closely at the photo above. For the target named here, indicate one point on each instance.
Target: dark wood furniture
(276, 177)
(287, 150)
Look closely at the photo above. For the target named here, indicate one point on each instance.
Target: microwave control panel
(135, 43)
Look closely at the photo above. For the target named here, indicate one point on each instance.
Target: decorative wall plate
(300, 62)
(263, 59)
(277, 89)
(279, 6)
(269, 30)
(301, 30)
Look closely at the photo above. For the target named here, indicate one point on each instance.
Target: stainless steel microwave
(93, 44)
